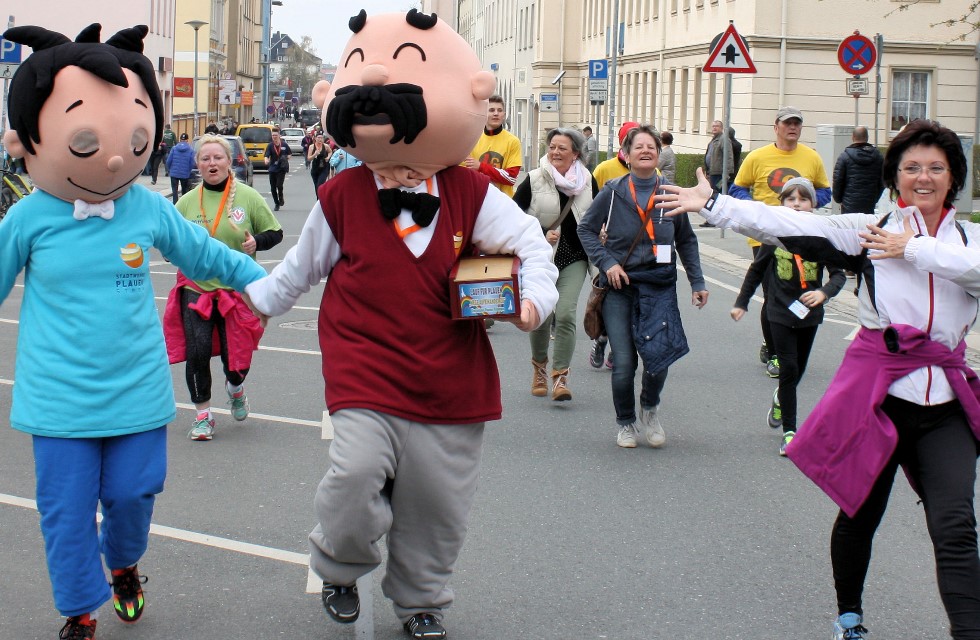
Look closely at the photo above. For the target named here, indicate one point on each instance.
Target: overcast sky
(325, 21)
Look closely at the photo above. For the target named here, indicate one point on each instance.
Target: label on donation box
(485, 286)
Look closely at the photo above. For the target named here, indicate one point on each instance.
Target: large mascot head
(84, 115)
(409, 97)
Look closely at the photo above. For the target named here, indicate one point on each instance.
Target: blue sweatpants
(74, 475)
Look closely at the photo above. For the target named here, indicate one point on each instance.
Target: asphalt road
(712, 537)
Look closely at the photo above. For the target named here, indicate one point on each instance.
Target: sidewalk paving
(162, 185)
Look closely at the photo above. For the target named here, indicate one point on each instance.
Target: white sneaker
(653, 430)
(627, 436)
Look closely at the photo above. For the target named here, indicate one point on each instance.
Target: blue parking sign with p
(598, 69)
(9, 52)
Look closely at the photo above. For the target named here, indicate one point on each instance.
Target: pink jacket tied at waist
(242, 329)
(847, 440)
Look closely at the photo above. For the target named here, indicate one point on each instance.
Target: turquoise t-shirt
(91, 360)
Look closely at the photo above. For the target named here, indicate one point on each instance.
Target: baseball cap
(801, 183)
(183, 136)
(788, 112)
(623, 130)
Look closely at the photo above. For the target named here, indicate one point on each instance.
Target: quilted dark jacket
(657, 330)
(858, 181)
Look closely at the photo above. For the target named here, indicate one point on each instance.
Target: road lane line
(203, 539)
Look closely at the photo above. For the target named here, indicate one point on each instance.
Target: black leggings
(939, 452)
(793, 350)
(198, 334)
(764, 314)
(275, 184)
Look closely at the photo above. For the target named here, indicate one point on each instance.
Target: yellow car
(256, 138)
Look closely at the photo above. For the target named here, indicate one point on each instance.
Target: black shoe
(154, 182)
(277, 208)
(424, 625)
(764, 353)
(706, 225)
(598, 353)
(127, 593)
(342, 603)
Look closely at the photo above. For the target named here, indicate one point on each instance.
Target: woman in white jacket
(558, 193)
(891, 402)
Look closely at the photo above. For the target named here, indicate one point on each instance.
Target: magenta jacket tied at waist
(242, 329)
(846, 441)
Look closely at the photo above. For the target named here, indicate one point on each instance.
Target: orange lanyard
(403, 233)
(645, 213)
(799, 266)
(221, 206)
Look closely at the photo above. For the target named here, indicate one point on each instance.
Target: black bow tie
(422, 205)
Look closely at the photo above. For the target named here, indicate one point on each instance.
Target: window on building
(683, 92)
(696, 114)
(671, 95)
(910, 97)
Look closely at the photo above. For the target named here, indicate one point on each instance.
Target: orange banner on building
(183, 87)
(248, 98)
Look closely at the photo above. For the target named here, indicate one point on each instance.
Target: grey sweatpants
(414, 482)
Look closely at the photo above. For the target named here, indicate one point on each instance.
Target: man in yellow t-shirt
(497, 153)
(764, 171)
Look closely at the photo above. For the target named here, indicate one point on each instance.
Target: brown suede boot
(559, 385)
(539, 383)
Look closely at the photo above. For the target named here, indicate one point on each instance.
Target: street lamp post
(196, 25)
(266, 44)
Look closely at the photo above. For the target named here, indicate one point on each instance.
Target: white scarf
(575, 180)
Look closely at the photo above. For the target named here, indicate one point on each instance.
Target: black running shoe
(342, 603)
(78, 628)
(597, 355)
(127, 593)
(424, 625)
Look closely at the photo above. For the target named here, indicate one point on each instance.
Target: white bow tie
(104, 210)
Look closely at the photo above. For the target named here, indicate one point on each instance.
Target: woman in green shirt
(237, 215)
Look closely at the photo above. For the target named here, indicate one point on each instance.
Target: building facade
(540, 50)
(158, 15)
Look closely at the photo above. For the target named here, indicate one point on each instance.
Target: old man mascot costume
(408, 388)
(93, 384)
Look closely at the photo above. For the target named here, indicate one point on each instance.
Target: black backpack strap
(864, 262)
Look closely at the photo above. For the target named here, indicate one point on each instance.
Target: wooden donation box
(485, 287)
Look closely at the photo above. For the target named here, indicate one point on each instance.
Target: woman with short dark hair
(635, 249)
(904, 395)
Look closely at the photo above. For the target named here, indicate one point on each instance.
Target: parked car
(309, 117)
(256, 138)
(240, 163)
(294, 138)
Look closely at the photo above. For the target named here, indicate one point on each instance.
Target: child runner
(794, 304)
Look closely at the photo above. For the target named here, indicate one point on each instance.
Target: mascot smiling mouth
(99, 193)
(399, 105)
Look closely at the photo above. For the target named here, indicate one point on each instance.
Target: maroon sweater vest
(387, 338)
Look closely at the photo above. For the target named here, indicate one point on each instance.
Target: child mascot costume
(93, 385)
(408, 388)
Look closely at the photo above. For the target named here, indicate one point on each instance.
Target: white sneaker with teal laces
(238, 402)
(202, 429)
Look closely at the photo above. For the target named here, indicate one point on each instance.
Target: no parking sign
(857, 54)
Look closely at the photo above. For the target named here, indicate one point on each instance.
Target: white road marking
(258, 416)
(203, 539)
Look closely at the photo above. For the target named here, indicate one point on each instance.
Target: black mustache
(402, 103)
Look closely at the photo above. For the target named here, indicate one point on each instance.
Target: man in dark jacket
(858, 180)
(180, 163)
